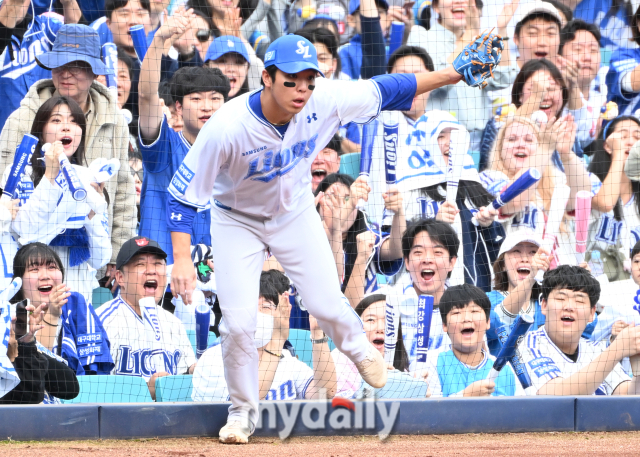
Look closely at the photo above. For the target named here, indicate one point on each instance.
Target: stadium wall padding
(433, 416)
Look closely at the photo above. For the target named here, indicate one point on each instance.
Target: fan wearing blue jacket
(623, 79)
(198, 93)
(462, 371)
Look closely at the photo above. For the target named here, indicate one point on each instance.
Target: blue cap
(292, 54)
(75, 42)
(355, 4)
(224, 45)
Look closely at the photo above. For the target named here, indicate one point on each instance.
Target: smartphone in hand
(22, 318)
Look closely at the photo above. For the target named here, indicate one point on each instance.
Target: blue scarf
(77, 240)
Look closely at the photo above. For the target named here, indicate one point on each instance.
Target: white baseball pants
(299, 242)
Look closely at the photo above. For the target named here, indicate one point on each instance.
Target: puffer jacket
(107, 136)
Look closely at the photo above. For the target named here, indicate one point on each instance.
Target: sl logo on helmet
(303, 49)
(230, 43)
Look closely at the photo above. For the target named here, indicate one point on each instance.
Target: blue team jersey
(161, 159)
(455, 376)
(85, 344)
(613, 25)
(351, 57)
(19, 74)
(623, 61)
(91, 9)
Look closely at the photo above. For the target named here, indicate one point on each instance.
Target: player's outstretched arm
(433, 80)
(149, 105)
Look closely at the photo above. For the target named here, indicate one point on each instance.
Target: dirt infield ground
(544, 444)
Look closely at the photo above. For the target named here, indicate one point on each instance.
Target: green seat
(350, 164)
(174, 388)
(111, 389)
(301, 341)
(100, 296)
(213, 339)
(399, 385)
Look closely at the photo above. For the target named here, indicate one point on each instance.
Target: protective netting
(199, 206)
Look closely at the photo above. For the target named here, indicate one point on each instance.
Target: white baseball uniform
(289, 383)
(135, 352)
(545, 361)
(257, 178)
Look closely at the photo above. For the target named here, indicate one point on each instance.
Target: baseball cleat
(234, 433)
(373, 368)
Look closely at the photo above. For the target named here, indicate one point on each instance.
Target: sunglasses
(203, 35)
(140, 173)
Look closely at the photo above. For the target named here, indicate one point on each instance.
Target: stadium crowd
(121, 115)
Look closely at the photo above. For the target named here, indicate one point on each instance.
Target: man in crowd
(145, 341)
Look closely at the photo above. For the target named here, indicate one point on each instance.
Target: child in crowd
(559, 360)
(462, 371)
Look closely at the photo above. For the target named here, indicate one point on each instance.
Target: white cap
(517, 237)
(537, 7)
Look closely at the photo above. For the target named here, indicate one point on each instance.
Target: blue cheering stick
(425, 313)
(203, 321)
(509, 352)
(139, 38)
(20, 161)
(390, 137)
(110, 59)
(368, 138)
(526, 180)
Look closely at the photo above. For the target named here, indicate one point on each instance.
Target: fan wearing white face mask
(281, 376)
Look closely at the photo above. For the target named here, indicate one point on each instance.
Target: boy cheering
(251, 160)
(559, 361)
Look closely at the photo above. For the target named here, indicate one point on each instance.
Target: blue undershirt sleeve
(397, 91)
(180, 216)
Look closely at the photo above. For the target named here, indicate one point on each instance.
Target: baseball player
(251, 160)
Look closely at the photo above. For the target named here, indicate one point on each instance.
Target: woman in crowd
(327, 48)
(372, 311)
(71, 329)
(43, 377)
(48, 213)
(615, 209)
(515, 289)
(359, 251)
(424, 185)
(229, 55)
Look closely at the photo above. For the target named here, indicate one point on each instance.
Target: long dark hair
(33, 254)
(528, 70)
(350, 244)
(601, 163)
(474, 191)
(43, 115)
(400, 357)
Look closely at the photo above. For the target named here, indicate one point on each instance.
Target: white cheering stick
(457, 151)
(583, 213)
(556, 213)
(526, 180)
